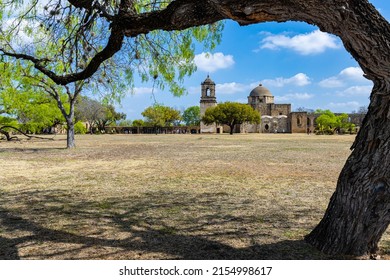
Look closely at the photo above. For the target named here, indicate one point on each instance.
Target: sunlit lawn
(248, 196)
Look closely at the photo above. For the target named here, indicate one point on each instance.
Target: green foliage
(33, 108)
(166, 58)
(79, 128)
(89, 110)
(326, 122)
(69, 38)
(97, 114)
(8, 121)
(191, 116)
(110, 116)
(329, 123)
(65, 40)
(125, 123)
(6, 124)
(139, 123)
(159, 116)
(231, 113)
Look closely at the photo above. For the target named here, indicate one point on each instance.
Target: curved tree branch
(9, 138)
(82, 4)
(113, 46)
(347, 19)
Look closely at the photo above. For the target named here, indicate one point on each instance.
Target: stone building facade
(275, 118)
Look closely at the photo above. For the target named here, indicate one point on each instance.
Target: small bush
(79, 128)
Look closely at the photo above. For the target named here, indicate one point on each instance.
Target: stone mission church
(275, 118)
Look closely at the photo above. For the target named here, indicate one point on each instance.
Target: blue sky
(299, 64)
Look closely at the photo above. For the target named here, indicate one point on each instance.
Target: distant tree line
(328, 122)
(33, 113)
(28, 112)
(96, 114)
(159, 115)
(228, 113)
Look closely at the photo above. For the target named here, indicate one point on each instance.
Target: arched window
(299, 120)
(207, 91)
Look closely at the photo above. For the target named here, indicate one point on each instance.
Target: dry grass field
(247, 196)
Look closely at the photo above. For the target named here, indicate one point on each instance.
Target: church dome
(260, 91)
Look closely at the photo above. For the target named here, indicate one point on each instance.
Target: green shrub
(79, 128)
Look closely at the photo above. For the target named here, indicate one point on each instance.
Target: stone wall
(299, 122)
(250, 128)
(275, 124)
(203, 127)
(280, 109)
(263, 109)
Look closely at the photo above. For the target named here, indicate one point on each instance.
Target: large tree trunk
(231, 129)
(70, 140)
(359, 210)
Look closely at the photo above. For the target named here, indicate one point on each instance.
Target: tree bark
(6, 134)
(70, 140)
(10, 138)
(359, 211)
(232, 129)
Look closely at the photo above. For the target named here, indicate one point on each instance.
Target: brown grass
(167, 196)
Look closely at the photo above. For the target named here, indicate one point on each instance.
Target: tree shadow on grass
(8, 249)
(145, 236)
(31, 150)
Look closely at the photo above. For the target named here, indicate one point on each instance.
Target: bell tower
(207, 100)
(208, 91)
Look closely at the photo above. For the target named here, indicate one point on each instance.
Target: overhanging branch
(358, 19)
(113, 46)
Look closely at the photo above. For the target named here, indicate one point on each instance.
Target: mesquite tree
(231, 114)
(359, 211)
(70, 45)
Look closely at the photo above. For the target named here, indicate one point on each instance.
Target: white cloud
(144, 90)
(231, 88)
(356, 91)
(332, 82)
(350, 74)
(294, 96)
(305, 44)
(299, 79)
(353, 73)
(345, 106)
(212, 62)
